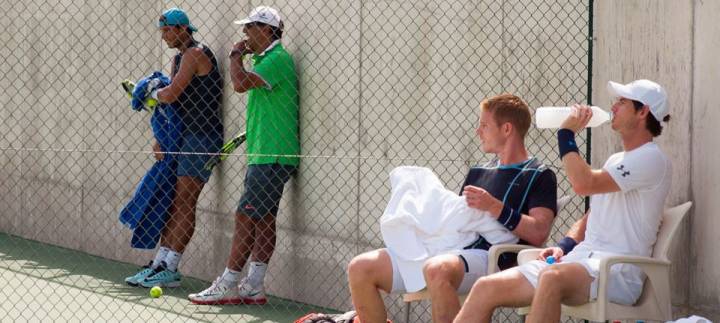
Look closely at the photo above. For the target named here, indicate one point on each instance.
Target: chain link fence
(381, 84)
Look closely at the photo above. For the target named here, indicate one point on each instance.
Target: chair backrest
(562, 202)
(670, 223)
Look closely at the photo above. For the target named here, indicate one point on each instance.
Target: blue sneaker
(134, 280)
(162, 277)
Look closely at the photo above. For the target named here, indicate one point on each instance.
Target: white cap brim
(242, 22)
(620, 90)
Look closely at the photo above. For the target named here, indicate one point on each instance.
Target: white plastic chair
(493, 256)
(654, 303)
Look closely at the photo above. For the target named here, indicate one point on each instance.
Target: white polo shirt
(627, 222)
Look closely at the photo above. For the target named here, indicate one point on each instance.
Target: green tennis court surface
(45, 282)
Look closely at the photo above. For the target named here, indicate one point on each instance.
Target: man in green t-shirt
(273, 147)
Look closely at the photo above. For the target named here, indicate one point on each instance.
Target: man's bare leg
(368, 274)
(443, 275)
(265, 238)
(181, 224)
(506, 288)
(561, 283)
(243, 241)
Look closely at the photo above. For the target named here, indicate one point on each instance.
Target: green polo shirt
(272, 111)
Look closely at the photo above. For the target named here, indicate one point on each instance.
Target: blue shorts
(199, 148)
(264, 185)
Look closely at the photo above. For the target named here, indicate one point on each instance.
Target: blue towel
(148, 210)
(145, 86)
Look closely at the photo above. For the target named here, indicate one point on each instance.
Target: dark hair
(509, 108)
(652, 124)
(276, 32)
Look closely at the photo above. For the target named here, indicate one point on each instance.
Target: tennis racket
(129, 86)
(226, 149)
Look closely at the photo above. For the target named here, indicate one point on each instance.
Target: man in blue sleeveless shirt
(196, 90)
(516, 189)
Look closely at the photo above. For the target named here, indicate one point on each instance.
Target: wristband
(509, 217)
(566, 142)
(567, 244)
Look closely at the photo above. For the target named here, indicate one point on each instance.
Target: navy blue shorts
(264, 185)
(200, 149)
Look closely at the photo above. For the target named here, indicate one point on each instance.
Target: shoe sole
(251, 301)
(232, 301)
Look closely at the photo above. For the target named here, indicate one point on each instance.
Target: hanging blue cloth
(148, 210)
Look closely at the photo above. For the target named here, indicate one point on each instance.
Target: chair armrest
(528, 255)
(639, 261)
(420, 295)
(497, 250)
(653, 268)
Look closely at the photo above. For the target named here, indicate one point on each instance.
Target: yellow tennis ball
(156, 292)
(151, 103)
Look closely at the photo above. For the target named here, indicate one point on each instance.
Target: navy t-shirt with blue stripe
(521, 186)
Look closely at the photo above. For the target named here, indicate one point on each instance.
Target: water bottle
(553, 117)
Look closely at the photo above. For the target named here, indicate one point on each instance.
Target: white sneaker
(217, 294)
(251, 295)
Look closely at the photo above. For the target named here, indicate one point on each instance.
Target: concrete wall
(703, 258)
(674, 43)
(383, 83)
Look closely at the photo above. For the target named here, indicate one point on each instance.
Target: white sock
(160, 256)
(256, 273)
(230, 277)
(172, 260)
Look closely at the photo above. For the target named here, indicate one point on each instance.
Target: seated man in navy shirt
(516, 189)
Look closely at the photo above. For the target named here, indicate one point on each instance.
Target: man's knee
(187, 190)
(486, 285)
(551, 277)
(362, 269)
(447, 269)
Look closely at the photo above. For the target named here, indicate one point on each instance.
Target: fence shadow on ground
(40, 264)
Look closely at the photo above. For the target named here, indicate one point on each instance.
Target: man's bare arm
(535, 227)
(189, 65)
(577, 231)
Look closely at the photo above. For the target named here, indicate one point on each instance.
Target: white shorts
(476, 261)
(625, 285)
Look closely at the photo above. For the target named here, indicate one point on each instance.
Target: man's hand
(480, 199)
(157, 151)
(240, 48)
(578, 119)
(552, 251)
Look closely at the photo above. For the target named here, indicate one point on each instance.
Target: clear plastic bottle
(553, 117)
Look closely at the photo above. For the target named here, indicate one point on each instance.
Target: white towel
(423, 219)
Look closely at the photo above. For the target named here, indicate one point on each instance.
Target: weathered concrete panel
(649, 39)
(703, 256)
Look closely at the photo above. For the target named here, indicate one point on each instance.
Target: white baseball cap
(645, 91)
(263, 14)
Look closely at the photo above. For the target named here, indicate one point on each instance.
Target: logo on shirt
(622, 169)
